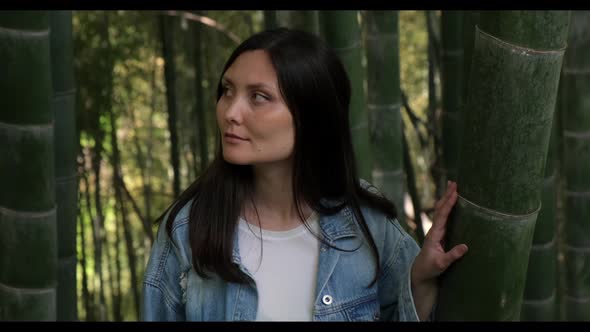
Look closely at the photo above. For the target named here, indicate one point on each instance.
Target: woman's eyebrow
(226, 80)
(251, 86)
(264, 86)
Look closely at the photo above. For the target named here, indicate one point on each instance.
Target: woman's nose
(233, 112)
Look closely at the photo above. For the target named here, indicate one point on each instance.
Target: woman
(279, 227)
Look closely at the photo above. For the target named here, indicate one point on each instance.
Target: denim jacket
(173, 291)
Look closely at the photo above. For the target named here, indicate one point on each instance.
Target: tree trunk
(142, 165)
(98, 228)
(62, 66)
(200, 102)
(413, 192)
(166, 30)
(118, 178)
(341, 31)
(540, 288)
(270, 19)
(559, 204)
(108, 258)
(28, 234)
(91, 312)
(517, 58)
(452, 93)
(135, 281)
(85, 292)
(119, 316)
(576, 140)
(433, 58)
(305, 20)
(384, 101)
(82, 235)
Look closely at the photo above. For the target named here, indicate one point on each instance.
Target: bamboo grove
(106, 116)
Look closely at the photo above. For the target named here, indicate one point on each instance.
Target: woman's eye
(226, 91)
(258, 97)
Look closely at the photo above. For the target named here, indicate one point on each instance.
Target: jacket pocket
(364, 310)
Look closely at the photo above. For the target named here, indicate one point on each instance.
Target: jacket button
(327, 299)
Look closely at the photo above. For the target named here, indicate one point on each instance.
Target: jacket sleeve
(162, 293)
(395, 292)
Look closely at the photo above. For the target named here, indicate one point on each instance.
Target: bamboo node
(27, 214)
(495, 213)
(17, 33)
(517, 48)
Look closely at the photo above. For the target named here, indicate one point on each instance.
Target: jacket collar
(333, 227)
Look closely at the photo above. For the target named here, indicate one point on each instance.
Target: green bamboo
(513, 82)
(200, 99)
(539, 299)
(28, 248)
(418, 234)
(576, 136)
(66, 144)
(341, 31)
(452, 91)
(167, 35)
(384, 101)
(305, 20)
(559, 202)
(270, 19)
(470, 20)
(433, 58)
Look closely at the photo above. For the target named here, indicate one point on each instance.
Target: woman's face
(255, 123)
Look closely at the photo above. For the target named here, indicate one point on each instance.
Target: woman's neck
(273, 198)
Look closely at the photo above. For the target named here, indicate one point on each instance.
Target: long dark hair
(316, 89)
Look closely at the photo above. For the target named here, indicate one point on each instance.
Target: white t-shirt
(286, 275)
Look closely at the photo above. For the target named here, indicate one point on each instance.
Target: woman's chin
(236, 160)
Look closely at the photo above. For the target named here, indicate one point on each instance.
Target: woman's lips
(232, 138)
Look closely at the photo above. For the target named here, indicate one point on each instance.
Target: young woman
(279, 226)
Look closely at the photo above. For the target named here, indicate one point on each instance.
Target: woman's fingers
(446, 208)
(444, 198)
(452, 255)
(443, 209)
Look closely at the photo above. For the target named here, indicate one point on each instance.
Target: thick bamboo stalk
(305, 20)
(28, 228)
(341, 31)
(66, 143)
(539, 299)
(517, 58)
(576, 140)
(384, 101)
(470, 20)
(452, 90)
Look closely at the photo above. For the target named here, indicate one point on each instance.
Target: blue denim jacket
(173, 291)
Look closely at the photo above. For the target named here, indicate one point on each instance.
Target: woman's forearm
(424, 295)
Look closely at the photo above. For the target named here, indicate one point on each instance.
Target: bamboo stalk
(65, 161)
(341, 31)
(517, 58)
(576, 144)
(28, 229)
(384, 101)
